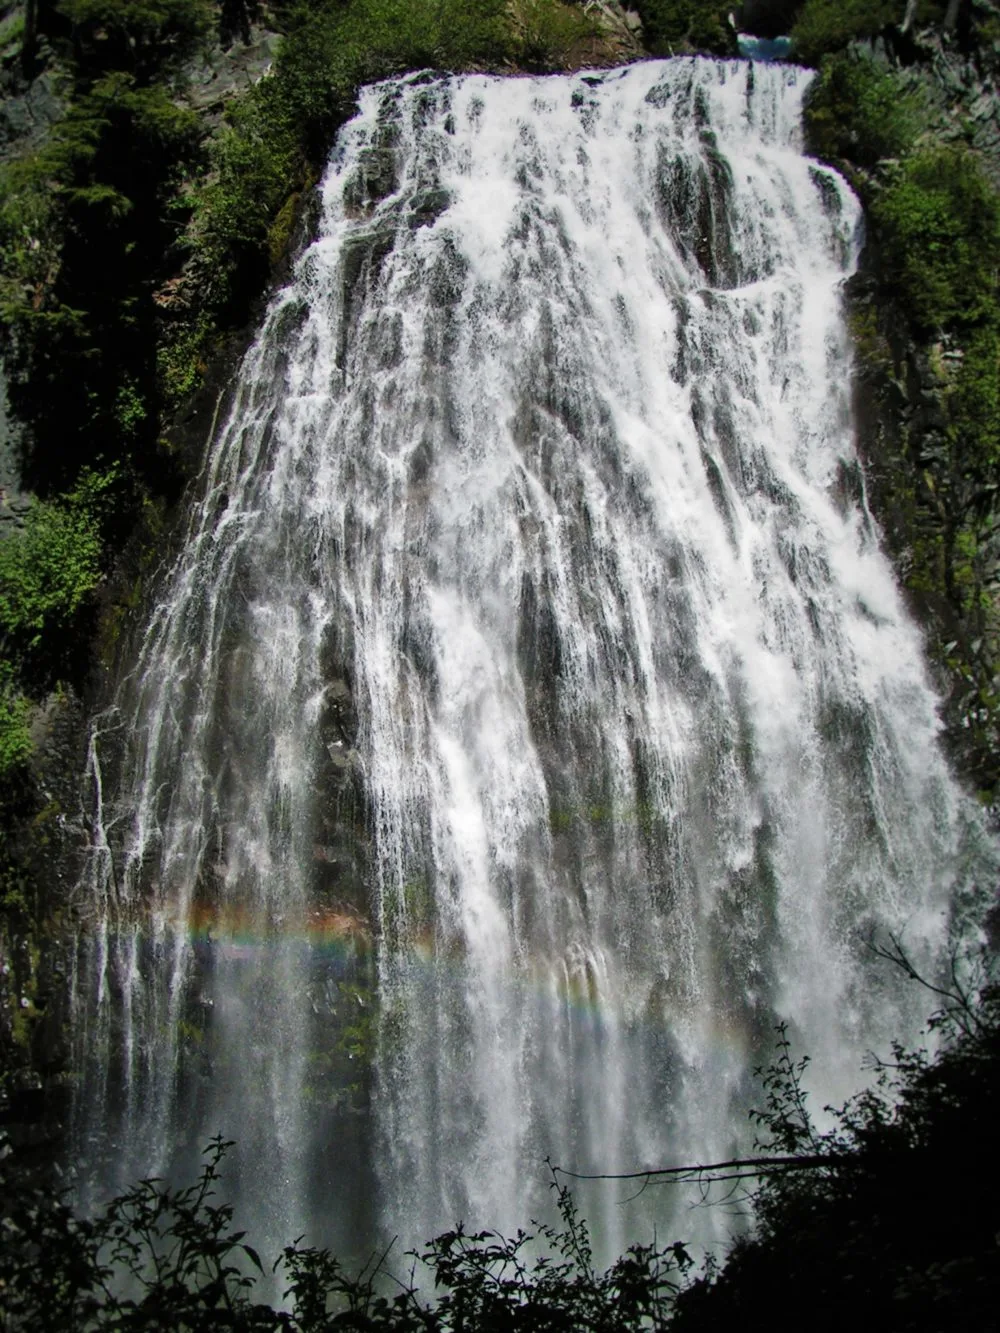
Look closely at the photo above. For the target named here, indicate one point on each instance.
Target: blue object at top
(764, 48)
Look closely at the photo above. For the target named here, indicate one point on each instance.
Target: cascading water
(530, 715)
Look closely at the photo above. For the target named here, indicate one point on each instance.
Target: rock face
(224, 72)
(766, 18)
(34, 988)
(620, 37)
(27, 110)
(13, 500)
(961, 92)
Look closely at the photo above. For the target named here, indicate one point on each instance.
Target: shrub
(829, 25)
(859, 111)
(546, 31)
(15, 742)
(30, 237)
(672, 26)
(86, 226)
(939, 222)
(49, 568)
(144, 38)
(158, 1258)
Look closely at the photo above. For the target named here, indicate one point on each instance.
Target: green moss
(871, 346)
(972, 401)
(418, 902)
(189, 1034)
(280, 231)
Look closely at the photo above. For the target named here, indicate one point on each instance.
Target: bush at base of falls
(891, 1222)
(902, 1232)
(159, 1259)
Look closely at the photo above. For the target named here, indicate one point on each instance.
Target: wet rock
(27, 111)
(14, 500)
(223, 73)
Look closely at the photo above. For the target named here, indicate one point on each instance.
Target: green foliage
(674, 26)
(860, 111)
(49, 568)
(895, 1225)
(15, 741)
(180, 360)
(86, 226)
(11, 30)
(30, 237)
(491, 1282)
(259, 161)
(824, 26)
(545, 32)
(157, 1258)
(286, 122)
(146, 39)
(939, 219)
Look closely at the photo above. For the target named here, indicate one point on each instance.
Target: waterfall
(530, 720)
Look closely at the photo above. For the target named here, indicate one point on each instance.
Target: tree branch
(748, 1167)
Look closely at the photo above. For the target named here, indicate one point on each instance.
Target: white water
(532, 611)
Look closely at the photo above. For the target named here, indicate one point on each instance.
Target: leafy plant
(674, 26)
(15, 740)
(159, 1258)
(545, 32)
(823, 26)
(146, 39)
(861, 111)
(939, 220)
(49, 568)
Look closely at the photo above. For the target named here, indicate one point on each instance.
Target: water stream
(531, 719)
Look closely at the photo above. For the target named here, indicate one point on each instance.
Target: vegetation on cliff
(895, 106)
(133, 241)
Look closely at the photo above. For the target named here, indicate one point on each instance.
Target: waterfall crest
(530, 705)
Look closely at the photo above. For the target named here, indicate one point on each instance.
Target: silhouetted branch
(961, 1005)
(745, 1168)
